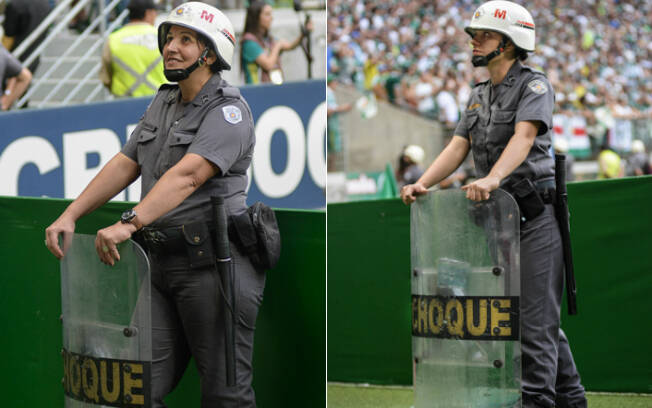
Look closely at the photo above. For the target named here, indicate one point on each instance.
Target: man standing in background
(21, 18)
(131, 62)
(15, 76)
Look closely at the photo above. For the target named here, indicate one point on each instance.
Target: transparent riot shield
(107, 341)
(465, 301)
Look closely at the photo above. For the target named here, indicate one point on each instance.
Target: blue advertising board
(56, 152)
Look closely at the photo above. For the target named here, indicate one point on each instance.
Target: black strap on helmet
(176, 75)
(483, 60)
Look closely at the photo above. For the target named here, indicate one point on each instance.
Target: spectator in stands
(638, 164)
(609, 163)
(131, 62)
(21, 18)
(333, 111)
(260, 54)
(581, 47)
(15, 76)
(409, 165)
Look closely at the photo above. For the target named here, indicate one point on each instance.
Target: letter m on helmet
(500, 13)
(209, 17)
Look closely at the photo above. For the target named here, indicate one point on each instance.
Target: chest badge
(474, 106)
(232, 114)
(538, 86)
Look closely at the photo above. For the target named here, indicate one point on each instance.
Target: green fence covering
(611, 229)
(289, 357)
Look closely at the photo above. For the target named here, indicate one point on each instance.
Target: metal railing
(64, 15)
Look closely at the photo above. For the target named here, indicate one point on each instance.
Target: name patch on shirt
(538, 86)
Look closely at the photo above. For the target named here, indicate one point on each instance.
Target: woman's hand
(108, 238)
(410, 192)
(284, 45)
(479, 190)
(63, 225)
(309, 26)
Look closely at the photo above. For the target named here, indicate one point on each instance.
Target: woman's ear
(211, 58)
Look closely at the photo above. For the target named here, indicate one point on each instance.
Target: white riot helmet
(638, 146)
(415, 153)
(510, 19)
(207, 21)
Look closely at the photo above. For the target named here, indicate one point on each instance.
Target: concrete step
(61, 94)
(64, 40)
(67, 66)
(52, 55)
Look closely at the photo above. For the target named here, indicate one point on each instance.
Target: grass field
(350, 396)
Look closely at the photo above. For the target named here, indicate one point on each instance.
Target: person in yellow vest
(131, 62)
(609, 164)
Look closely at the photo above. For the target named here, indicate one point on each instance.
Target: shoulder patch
(538, 86)
(232, 114)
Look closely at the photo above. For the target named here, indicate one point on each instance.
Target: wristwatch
(130, 217)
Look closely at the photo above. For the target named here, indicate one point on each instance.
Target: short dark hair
(520, 53)
(138, 8)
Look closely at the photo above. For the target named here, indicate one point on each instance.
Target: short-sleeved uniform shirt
(490, 119)
(216, 125)
(9, 66)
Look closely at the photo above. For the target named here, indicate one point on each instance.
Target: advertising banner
(56, 152)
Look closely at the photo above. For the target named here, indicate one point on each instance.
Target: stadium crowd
(415, 54)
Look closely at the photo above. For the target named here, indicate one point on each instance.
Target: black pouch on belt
(256, 233)
(528, 200)
(199, 245)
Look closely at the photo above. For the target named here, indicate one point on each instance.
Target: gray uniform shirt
(9, 66)
(216, 125)
(490, 119)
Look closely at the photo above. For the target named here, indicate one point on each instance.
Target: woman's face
(485, 41)
(181, 48)
(265, 19)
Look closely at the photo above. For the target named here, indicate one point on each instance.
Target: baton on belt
(224, 269)
(561, 210)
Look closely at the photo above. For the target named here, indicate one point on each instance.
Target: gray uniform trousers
(549, 378)
(188, 320)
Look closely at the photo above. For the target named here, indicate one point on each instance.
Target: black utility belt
(196, 240)
(254, 232)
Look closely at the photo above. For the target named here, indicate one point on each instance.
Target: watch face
(128, 216)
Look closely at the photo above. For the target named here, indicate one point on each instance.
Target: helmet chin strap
(176, 75)
(483, 60)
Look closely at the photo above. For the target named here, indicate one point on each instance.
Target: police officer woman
(507, 125)
(195, 140)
